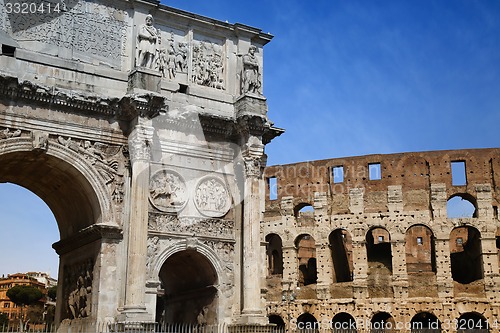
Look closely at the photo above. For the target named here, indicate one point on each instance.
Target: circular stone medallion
(212, 198)
(167, 191)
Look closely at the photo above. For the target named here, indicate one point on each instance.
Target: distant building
(42, 281)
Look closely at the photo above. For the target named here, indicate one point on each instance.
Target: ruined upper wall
(416, 173)
(99, 38)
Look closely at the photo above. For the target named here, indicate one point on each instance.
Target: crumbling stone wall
(388, 204)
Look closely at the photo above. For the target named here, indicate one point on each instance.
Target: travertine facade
(144, 131)
(377, 245)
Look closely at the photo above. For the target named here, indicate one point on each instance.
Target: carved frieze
(168, 192)
(7, 133)
(106, 159)
(173, 56)
(224, 250)
(78, 289)
(87, 28)
(191, 226)
(208, 65)
(212, 197)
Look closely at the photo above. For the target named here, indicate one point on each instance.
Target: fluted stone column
(139, 146)
(252, 312)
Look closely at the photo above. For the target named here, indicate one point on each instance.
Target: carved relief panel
(211, 197)
(168, 192)
(208, 62)
(78, 289)
(174, 58)
(78, 29)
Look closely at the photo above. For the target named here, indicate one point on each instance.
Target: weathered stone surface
(134, 130)
(400, 253)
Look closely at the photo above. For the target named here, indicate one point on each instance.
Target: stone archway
(189, 282)
(80, 202)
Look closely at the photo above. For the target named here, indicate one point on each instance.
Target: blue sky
(351, 78)
(346, 78)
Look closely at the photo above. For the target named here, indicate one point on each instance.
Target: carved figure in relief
(79, 304)
(208, 68)
(167, 191)
(147, 44)
(7, 134)
(181, 57)
(251, 81)
(212, 198)
(40, 140)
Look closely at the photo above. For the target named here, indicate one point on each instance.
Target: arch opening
(306, 256)
(472, 322)
(379, 256)
(189, 282)
(304, 214)
(340, 242)
(343, 322)
(66, 187)
(461, 205)
(421, 261)
(278, 321)
(466, 255)
(274, 255)
(382, 322)
(425, 322)
(307, 323)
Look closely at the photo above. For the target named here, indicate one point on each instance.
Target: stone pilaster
(443, 267)
(140, 150)
(399, 273)
(360, 262)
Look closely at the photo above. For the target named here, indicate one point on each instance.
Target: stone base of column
(132, 315)
(252, 317)
(254, 328)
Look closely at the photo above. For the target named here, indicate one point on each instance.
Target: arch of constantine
(143, 128)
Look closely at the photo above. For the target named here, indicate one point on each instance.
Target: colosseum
(368, 243)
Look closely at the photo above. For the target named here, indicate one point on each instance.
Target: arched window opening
(379, 256)
(461, 205)
(344, 323)
(306, 255)
(425, 322)
(471, 322)
(274, 254)
(307, 323)
(341, 250)
(378, 247)
(278, 321)
(420, 250)
(304, 213)
(382, 322)
(466, 260)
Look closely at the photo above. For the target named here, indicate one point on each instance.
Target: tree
(4, 319)
(24, 296)
(52, 292)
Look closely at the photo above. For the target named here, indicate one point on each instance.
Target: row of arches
(459, 205)
(420, 252)
(382, 322)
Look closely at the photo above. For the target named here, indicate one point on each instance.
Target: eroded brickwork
(385, 249)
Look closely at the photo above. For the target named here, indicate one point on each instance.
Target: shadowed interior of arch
(189, 290)
(61, 186)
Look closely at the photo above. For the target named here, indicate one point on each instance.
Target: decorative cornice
(86, 236)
